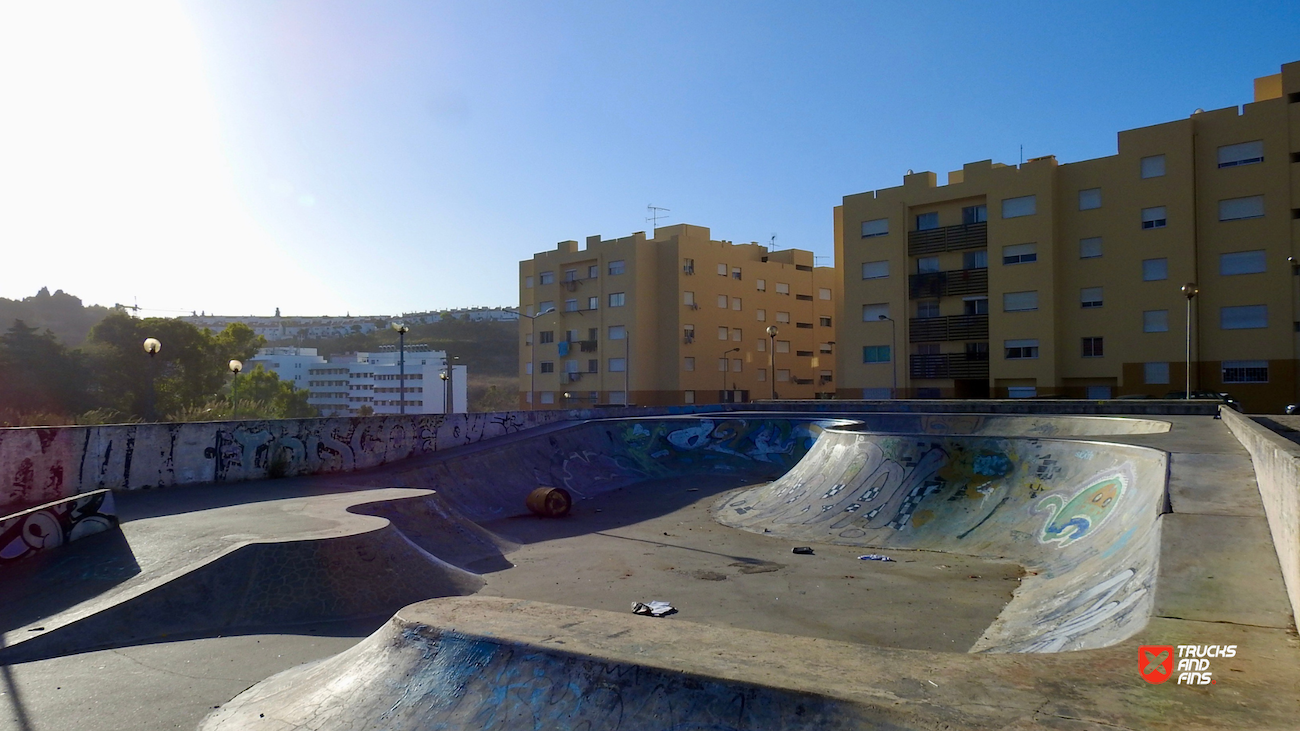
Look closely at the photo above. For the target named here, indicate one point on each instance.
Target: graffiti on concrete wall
(1072, 519)
(1109, 602)
(51, 526)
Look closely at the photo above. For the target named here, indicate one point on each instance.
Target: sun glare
(113, 180)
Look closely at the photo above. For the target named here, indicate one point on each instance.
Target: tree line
(110, 378)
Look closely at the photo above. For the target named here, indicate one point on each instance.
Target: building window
(737, 365)
(927, 221)
(735, 334)
(722, 365)
(1017, 207)
(592, 302)
(1237, 209)
(688, 299)
(1089, 199)
(1153, 166)
(1022, 391)
(688, 397)
(782, 288)
(571, 305)
(975, 259)
(824, 321)
(1155, 321)
(927, 265)
(617, 267)
(875, 353)
(975, 305)
(1243, 153)
(528, 282)
(782, 375)
(1090, 248)
(783, 346)
(528, 368)
(762, 375)
(546, 336)
(878, 227)
(735, 272)
(548, 397)
(824, 348)
(570, 275)
(1153, 217)
(548, 366)
(873, 312)
(736, 304)
(1020, 254)
(616, 299)
(529, 310)
(546, 306)
(617, 332)
(1245, 317)
(1021, 349)
(1019, 301)
(1155, 373)
(762, 345)
(762, 315)
(823, 293)
(548, 277)
(592, 271)
(593, 365)
(617, 365)
(783, 317)
(1242, 262)
(722, 301)
(688, 266)
(1245, 371)
(1155, 270)
(761, 284)
(974, 214)
(1092, 348)
(1090, 297)
(688, 333)
(926, 309)
(722, 333)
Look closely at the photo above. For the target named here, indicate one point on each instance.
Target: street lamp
(401, 329)
(532, 357)
(723, 393)
(152, 346)
(893, 346)
(446, 379)
(1189, 291)
(235, 367)
(771, 335)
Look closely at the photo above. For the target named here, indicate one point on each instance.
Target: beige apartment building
(675, 319)
(1052, 279)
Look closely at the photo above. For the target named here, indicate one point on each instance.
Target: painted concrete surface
(46, 527)
(1082, 517)
(1277, 467)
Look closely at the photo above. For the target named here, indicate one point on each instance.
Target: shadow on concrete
(50, 581)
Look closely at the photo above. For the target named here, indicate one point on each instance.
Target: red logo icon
(1156, 662)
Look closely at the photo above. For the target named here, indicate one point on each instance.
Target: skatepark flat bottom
(657, 541)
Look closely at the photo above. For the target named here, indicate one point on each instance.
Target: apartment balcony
(947, 238)
(950, 365)
(954, 327)
(945, 284)
(587, 346)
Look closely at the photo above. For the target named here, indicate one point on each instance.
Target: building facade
(1050, 279)
(343, 384)
(674, 319)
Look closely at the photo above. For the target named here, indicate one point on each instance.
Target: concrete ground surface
(885, 648)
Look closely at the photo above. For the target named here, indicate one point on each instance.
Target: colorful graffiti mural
(1071, 520)
(50, 526)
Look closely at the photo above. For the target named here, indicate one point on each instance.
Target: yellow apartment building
(1050, 279)
(675, 319)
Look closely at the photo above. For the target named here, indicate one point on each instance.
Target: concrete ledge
(1277, 472)
(49, 526)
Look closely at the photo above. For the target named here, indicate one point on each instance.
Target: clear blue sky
(327, 156)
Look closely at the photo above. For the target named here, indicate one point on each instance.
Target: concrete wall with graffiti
(1081, 517)
(49, 526)
(1277, 472)
(42, 465)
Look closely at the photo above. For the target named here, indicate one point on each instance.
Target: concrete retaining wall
(1277, 472)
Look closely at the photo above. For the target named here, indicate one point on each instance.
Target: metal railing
(947, 238)
(950, 283)
(950, 365)
(953, 327)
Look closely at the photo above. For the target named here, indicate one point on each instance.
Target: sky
(328, 157)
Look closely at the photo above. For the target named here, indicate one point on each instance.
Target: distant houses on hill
(276, 328)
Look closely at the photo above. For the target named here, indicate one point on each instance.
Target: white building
(290, 364)
(346, 383)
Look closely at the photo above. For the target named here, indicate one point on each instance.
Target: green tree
(279, 399)
(39, 375)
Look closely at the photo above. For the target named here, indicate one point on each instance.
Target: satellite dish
(909, 171)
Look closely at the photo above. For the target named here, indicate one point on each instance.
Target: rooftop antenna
(1022, 154)
(655, 215)
(771, 244)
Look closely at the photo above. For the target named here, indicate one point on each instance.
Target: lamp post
(152, 346)
(893, 347)
(532, 357)
(627, 367)
(235, 367)
(401, 329)
(723, 393)
(771, 336)
(446, 379)
(1189, 291)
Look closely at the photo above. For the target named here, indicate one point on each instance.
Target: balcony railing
(587, 346)
(948, 238)
(950, 365)
(955, 327)
(945, 284)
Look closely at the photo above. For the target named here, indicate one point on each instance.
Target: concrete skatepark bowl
(1033, 556)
